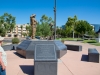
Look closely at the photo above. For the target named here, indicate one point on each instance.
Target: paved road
(9, 40)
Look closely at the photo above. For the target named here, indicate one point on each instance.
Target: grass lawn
(93, 42)
(89, 41)
(69, 39)
(96, 44)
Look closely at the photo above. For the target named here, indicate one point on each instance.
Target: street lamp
(54, 19)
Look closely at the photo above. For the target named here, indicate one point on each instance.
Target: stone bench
(74, 47)
(93, 55)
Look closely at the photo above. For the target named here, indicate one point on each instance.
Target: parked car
(37, 37)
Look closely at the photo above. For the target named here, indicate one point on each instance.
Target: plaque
(45, 52)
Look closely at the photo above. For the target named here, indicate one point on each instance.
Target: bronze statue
(33, 23)
(52, 35)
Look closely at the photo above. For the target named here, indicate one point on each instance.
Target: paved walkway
(72, 63)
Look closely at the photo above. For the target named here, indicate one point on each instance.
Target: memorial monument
(98, 32)
(33, 23)
(27, 47)
(45, 54)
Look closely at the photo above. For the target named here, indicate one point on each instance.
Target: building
(63, 27)
(17, 31)
(96, 27)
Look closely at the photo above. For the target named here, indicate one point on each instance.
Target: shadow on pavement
(18, 55)
(27, 69)
(84, 58)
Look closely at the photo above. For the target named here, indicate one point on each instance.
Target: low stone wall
(10, 47)
(74, 47)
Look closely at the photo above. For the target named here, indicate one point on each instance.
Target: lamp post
(54, 19)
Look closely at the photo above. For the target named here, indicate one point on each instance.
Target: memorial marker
(45, 60)
(45, 52)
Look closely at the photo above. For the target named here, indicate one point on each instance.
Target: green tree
(82, 27)
(68, 30)
(30, 30)
(72, 23)
(27, 29)
(38, 30)
(58, 32)
(44, 26)
(45, 30)
(63, 33)
(7, 21)
(10, 20)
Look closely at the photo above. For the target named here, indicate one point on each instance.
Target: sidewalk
(70, 64)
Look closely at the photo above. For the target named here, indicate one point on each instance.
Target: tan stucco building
(17, 31)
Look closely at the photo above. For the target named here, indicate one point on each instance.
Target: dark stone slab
(74, 47)
(45, 52)
(94, 55)
(29, 47)
(24, 44)
(61, 53)
(45, 68)
(60, 45)
(10, 47)
(29, 54)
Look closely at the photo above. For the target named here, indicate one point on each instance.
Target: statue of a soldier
(33, 23)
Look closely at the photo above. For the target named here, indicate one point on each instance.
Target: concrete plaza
(73, 63)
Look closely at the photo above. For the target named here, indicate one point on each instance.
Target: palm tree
(21, 30)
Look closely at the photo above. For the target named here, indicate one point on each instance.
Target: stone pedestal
(45, 68)
(26, 48)
(93, 55)
(45, 60)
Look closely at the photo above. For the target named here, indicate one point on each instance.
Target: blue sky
(22, 9)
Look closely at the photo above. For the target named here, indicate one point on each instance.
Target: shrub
(15, 40)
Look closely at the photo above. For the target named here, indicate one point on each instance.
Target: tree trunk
(73, 34)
